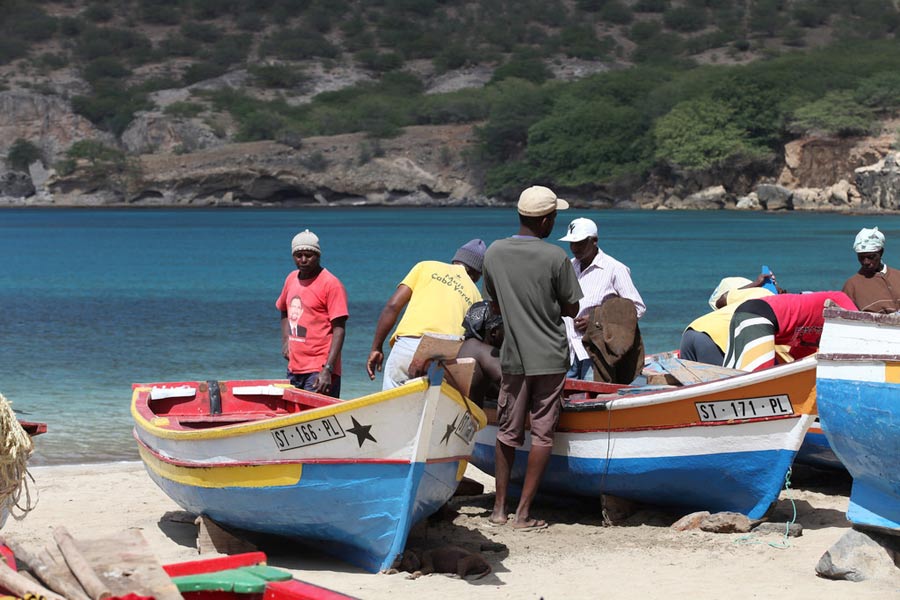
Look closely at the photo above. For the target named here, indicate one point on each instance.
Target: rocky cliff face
(46, 121)
(183, 161)
(424, 166)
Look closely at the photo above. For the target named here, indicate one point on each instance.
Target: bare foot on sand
(530, 525)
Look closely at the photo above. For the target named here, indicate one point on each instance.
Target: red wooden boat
(242, 577)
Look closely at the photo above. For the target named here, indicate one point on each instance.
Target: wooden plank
(459, 373)
(126, 564)
(688, 372)
(211, 537)
(50, 567)
(83, 570)
(23, 586)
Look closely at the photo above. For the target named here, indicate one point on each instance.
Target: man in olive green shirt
(533, 285)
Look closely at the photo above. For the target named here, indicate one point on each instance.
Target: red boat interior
(200, 405)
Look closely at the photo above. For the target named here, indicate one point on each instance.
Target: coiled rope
(15, 449)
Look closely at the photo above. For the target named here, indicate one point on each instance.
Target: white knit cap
(306, 240)
(868, 240)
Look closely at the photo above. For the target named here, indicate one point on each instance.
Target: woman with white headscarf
(875, 287)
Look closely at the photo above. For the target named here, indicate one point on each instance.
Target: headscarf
(868, 240)
(480, 320)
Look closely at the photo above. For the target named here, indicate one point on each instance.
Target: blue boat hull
(744, 482)
(817, 452)
(356, 512)
(863, 427)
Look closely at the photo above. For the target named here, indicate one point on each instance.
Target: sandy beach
(576, 557)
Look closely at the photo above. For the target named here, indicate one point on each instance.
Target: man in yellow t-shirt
(706, 338)
(436, 296)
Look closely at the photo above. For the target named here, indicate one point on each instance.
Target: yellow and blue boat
(858, 385)
(350, 476)
(721, 445)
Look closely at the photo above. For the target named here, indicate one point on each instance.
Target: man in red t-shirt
(313, 305)
(793, 320)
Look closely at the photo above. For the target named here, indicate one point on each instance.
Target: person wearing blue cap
(436, 296)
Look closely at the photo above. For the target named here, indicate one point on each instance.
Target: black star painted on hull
(361, 432)
(450, 429)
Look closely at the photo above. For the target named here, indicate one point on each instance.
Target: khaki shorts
(538, 396)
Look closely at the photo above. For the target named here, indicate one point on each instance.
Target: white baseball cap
(580, 229)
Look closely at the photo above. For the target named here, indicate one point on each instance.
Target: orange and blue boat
(351, 476)
(721, 445)
(858, 384)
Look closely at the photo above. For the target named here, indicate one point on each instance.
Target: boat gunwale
(679, 393)
(144, 416)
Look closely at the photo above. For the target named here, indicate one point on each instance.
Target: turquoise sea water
(93, 300)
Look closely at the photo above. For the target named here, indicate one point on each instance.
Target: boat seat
(225, 418)
(307, 400)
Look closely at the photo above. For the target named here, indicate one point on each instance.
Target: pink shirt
(323, 299)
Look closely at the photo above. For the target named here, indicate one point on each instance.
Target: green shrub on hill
(592, 142)
(111, 106)
(461, 106)
(28, 23)
(201, 71)
(881, 92)
(381, 62)
(685, 19)
(651, 6)
(159, 12)
(838, 113)
(698, 134)
(98, 13)
(278, 76)
(515, 105)
(617, 12)
(97, 42)
(580, 41)
(524, 66)
(297, 43)
(23, 153)
(184, 110)
(11, 49)
(103, 68)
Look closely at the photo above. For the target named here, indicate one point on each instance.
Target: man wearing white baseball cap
(601, 277)
(875, 287)
(532, 285)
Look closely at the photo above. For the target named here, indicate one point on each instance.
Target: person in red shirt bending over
(313, 305)
(794, 320)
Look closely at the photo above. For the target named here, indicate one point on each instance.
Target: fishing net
(15, 449)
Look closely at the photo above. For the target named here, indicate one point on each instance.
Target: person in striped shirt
(601, 276)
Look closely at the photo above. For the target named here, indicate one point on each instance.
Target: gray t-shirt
(530, 279)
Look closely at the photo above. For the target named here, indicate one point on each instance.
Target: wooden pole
(20, 585)
(45, 566)
(79, 565)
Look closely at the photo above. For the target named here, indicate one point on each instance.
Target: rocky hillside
(231, 102)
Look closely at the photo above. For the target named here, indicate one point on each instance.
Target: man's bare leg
(503, 461)
(538, 458)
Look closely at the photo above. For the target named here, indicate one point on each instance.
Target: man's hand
(376, 357)
(581, 322)
(323, 381)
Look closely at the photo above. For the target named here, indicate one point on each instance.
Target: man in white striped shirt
(601, 276)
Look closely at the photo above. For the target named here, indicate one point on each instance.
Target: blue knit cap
(471, 254)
